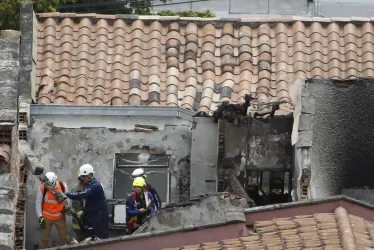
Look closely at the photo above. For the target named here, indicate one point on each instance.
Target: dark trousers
(97, 224)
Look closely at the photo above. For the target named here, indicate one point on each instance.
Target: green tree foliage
(141, 7)
(9, 11)
(203, 14)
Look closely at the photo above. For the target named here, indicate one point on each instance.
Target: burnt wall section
(343, 127)
(304, 118)
(204, 153)
(64, 143)
(258, 144)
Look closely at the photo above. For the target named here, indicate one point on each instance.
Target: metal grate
(22, 118)
(221, 173)
(22, 135)
(6, 135)
(304, 192)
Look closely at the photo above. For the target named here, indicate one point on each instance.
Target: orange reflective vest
(51, 209)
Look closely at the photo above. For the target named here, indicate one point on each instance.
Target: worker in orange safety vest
(49, 211)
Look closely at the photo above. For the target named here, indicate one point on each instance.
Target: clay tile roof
(337, 230)
(5, 153)
(193, 63)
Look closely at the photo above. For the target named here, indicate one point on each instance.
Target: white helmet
(85, 169)
(52, 179)
(139, 172)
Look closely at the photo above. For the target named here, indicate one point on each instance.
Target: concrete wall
(28, 53)
(9, 53)
(343, 128)
(64, 143)
(238, 8)
(204, 154)
(366, 195)
(9, 170)
(344, 8)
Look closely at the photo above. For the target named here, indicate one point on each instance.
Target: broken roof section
(193, 63)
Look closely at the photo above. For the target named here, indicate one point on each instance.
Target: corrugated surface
(318, 231)
(191, 64)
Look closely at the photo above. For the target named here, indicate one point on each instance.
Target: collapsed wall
(203, 210)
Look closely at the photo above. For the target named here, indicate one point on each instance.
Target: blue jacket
(155, 195)
(132, 211)
(93, 195)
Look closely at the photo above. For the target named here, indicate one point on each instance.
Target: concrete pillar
(28, 52)
(204, 153)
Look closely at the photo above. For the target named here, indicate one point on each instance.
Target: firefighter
(50, 212)
(139, 172)
(78, 208)
(95, 210)
(139, 205)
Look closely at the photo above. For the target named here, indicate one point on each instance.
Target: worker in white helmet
(95, 210)
(139, 172)
(50, 212)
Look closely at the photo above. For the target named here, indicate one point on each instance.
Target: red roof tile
(193, 64)
(338, 230)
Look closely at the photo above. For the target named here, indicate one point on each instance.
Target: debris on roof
(202, 210)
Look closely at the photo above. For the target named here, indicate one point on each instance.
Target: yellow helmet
(138, 182)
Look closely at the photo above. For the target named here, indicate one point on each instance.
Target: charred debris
(233, 113)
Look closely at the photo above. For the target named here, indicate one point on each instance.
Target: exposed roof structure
(193, 63)
(337, 230)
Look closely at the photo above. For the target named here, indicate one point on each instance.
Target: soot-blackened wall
(343, 132)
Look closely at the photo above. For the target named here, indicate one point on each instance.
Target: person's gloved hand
(41, 222)
(79, 214)
(143, 210)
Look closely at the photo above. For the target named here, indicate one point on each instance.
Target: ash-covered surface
(343, 131)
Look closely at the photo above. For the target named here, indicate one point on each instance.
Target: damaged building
(257, 107)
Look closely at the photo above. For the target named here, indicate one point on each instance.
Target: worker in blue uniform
(95, 210)
(139, 205)
(139, 172)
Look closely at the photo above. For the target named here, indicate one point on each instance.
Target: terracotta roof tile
(338, 230)
(193, 63)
